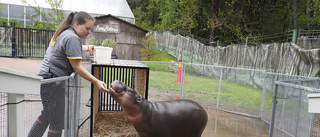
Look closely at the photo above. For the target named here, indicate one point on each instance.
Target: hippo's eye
(130, 91)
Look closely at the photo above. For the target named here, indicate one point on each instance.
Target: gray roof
(119, 8)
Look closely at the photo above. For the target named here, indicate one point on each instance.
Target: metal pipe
(220, 81)
(274, 105)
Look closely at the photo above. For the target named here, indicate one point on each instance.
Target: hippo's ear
(138, 98)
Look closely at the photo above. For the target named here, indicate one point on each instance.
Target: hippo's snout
(117, 86)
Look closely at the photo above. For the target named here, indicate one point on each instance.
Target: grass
(204, 88)
(161, 56)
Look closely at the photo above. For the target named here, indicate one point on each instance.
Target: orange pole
(179, 72)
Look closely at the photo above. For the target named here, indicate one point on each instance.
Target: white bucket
(102, 55)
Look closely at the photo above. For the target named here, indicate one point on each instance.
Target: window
(16, 12)
(49, 15)
(32, 14)
(4, 10)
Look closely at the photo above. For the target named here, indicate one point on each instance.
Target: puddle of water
(223, 124)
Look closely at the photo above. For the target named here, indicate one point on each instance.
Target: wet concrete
(224, 124)
(220, 124)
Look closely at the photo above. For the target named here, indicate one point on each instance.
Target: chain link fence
(285, 57)
(241, 91)
(290, 116)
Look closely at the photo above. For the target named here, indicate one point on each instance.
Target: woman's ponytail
(80, 17)
(63, 26)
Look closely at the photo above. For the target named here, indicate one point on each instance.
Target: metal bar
(147, 84)
(109, 97)
(297, 86)
(104, 94)
(220, 81)
(182, 81)
(263, 94)
(313, 116)
(91, 108)
(283, 107)
(298, 116)
(274, 105)
(51, 80)
(66, 117)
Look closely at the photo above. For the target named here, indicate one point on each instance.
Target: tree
(214, 22)
(227, 20)
(146, 50)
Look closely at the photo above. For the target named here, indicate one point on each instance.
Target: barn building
(125, 34)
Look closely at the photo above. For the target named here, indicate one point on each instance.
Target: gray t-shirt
(56, 61)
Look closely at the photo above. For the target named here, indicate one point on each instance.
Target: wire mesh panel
(271, 78)
(201, 84)
(3, 115)
(56, 109)
(290, 111)
(33, 106)
(163, 84)
(246, 87)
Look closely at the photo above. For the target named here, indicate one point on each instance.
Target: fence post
(295, 36)
(221, 72)
(313, 114)
(182, 80)
(247, 38)
(283, 107)
(299, 106)
(263, 93)
(13, 39)
(273, 113)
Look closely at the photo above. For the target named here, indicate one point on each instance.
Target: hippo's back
(179, 118)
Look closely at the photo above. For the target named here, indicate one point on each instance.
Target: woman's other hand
(91, 48)
(88, 48)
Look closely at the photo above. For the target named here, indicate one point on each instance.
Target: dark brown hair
(80, 17)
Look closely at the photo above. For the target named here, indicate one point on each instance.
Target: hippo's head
(123, 94)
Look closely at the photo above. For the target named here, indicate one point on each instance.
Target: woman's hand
(88, 48)
(102, 86)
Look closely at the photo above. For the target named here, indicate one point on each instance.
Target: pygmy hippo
(179, 118)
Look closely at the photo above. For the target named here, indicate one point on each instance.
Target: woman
(63, 57)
